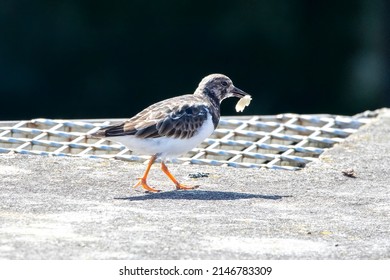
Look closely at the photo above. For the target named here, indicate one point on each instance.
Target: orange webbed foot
(142, 182)
(179, 186)
(184, 187)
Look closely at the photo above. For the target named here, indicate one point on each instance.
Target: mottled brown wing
(166, 118)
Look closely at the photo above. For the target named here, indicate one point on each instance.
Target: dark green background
(105, 59)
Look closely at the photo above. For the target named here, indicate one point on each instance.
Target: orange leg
(142, 180)
(179, 186)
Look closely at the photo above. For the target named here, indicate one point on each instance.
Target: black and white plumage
(174, 126)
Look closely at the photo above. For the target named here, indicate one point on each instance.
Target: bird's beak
(238, 92)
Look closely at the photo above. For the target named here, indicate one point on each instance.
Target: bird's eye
(224, 83)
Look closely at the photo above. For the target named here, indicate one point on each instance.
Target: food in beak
(243, 102)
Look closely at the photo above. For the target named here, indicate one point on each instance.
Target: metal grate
(285, 141)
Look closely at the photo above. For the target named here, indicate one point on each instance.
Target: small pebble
(349, 173)
(198, 175)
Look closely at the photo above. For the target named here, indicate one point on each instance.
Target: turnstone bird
(174, 126)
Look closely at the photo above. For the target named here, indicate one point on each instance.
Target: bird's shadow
(200, 195)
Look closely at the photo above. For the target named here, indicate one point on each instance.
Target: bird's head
(218, 87)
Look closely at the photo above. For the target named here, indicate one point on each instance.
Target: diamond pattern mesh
(285, 141)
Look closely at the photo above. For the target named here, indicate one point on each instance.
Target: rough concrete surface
(73, 208)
